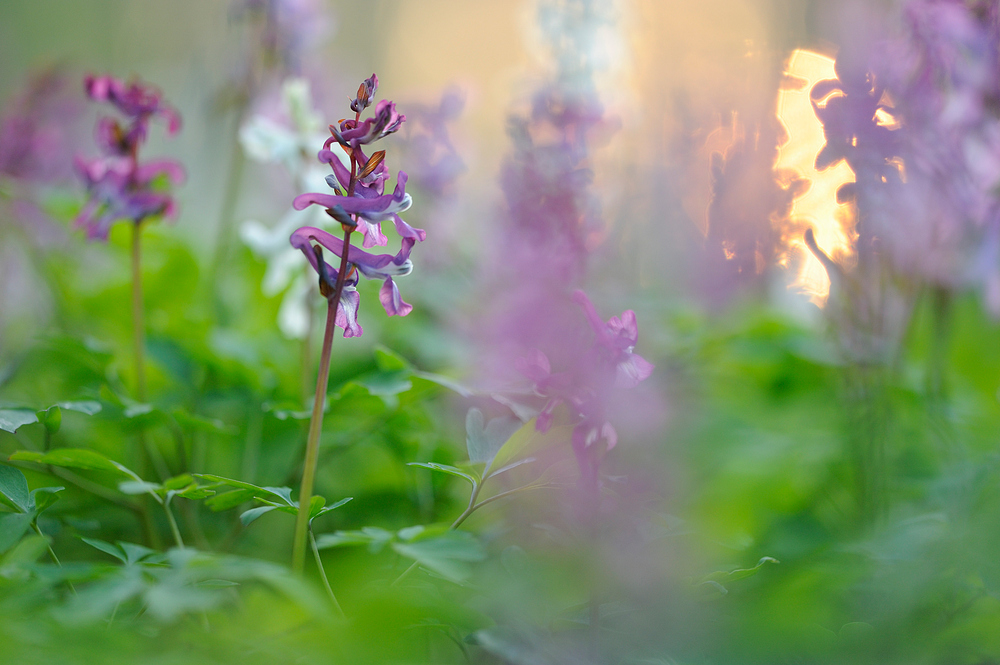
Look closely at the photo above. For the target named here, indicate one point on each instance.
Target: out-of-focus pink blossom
(119, 187)
(586, 385)
(34, 130)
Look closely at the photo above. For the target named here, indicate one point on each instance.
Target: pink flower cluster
(119, 187)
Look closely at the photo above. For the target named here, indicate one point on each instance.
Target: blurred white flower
(289, 141)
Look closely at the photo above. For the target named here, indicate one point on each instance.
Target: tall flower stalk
(121, 188)
(360, 204)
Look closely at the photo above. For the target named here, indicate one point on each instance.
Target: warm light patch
(833, 223)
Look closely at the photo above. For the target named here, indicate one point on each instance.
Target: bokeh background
(797, 482)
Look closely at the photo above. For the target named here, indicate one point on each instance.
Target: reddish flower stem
(316, 422)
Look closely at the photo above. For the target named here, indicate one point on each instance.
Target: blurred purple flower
(33, 130)
(284, 30)
(587, 384)
(436, 160)
(121, 191)
(120, 188)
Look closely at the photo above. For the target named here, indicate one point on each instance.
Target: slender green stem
(316, 422)
(322, 573)
(312, 443)
(471, 508)
(173, 525)
(52, 553)
(138, 328)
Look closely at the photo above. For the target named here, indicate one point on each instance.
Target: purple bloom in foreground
(121, 188)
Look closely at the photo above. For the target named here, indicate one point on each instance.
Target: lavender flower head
(121, 188)
(585, 387)
(360, 203)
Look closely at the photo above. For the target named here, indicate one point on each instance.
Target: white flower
(266, 140)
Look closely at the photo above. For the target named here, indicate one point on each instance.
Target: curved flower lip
(133, 99)
(370, 265)
(618, 336)
(374, 210)
(353, 134)
(617, 333)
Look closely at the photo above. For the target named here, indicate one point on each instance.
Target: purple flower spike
(119, 191)
(120, 187)
(359, 203)
(618, 337)
(365, 94)
(135, 100)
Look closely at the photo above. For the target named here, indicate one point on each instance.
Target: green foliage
(436, 548)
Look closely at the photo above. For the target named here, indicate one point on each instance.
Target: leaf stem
(471, 508)
(138, 331)
(52, 553)
(173, 524)
(322, 573)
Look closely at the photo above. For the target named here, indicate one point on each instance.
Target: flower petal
(393, 303)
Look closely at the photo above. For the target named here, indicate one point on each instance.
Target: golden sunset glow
(833, 223)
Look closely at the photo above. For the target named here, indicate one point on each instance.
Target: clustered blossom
(121, 188)
(360, 203)
(916, 118)
(585, 387)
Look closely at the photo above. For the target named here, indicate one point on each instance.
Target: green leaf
(14, 489)
(11, 419)
(12, 527)
(192, 421)
(89, 407)
(228, 500)
(107, 548)
(323, 510)
(375, 537)
(137, 410)
(252, 514)
(526, 439)
(725, 577)
(444, 382)
(444, 468)
(388, 360)
(138, 487)
(51, 418)
(135, 553)
(178, 482)
(448, 555)
(74, 458)
(484, 440)
(194, 492)
(281, 495)
(43, 497)
(27, 551)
